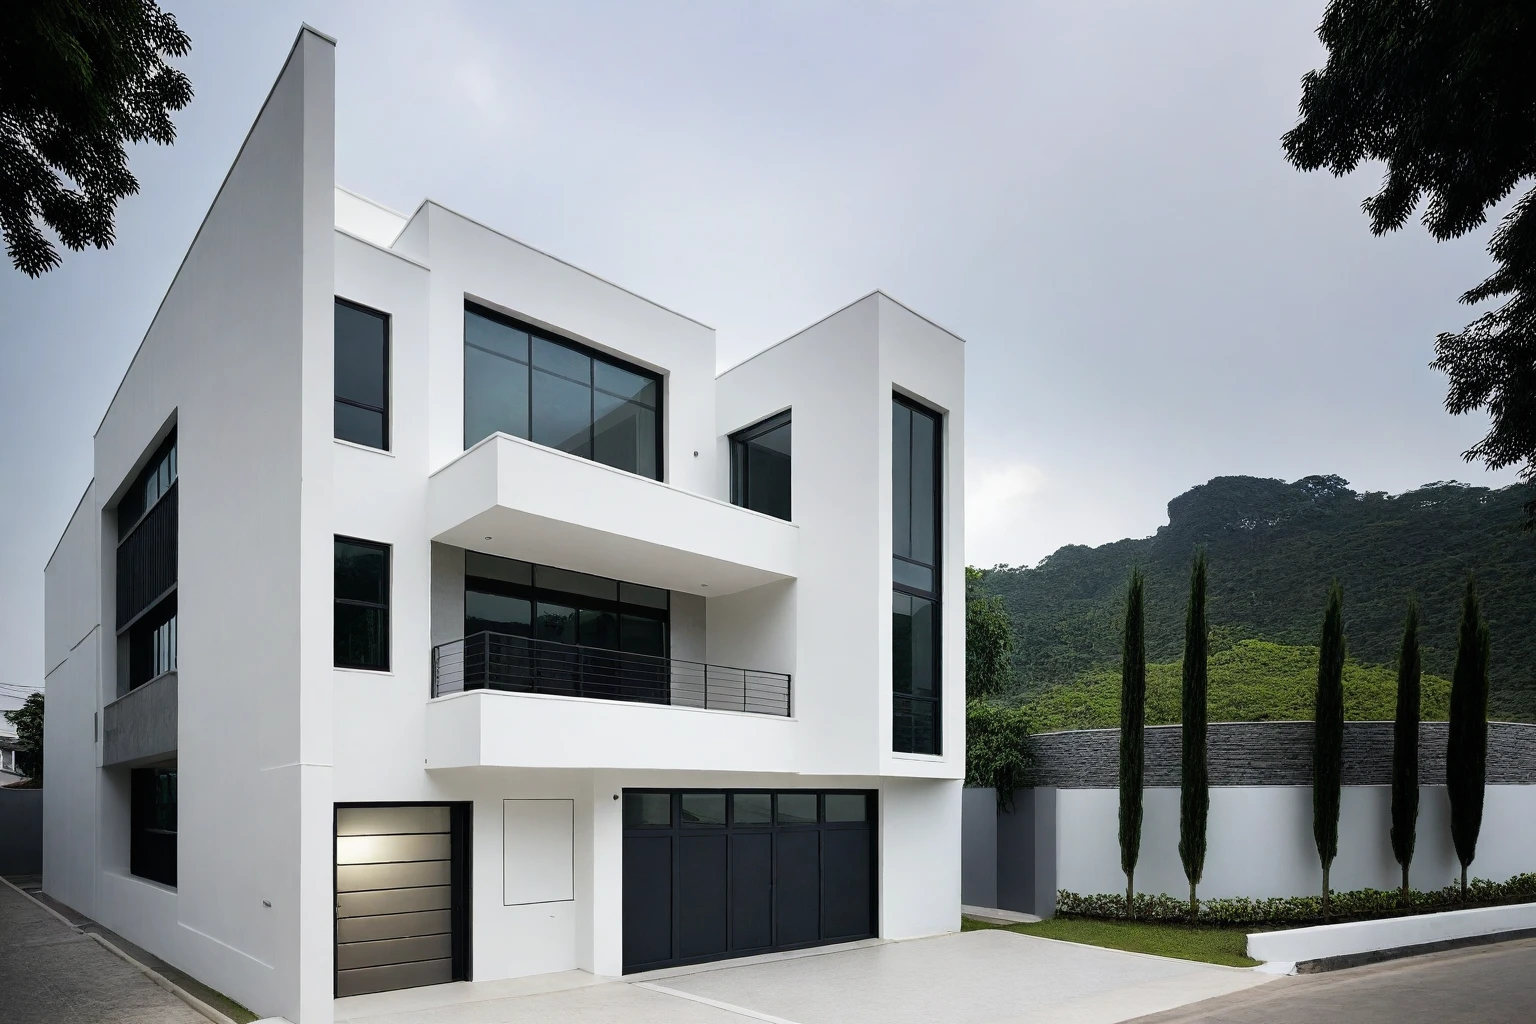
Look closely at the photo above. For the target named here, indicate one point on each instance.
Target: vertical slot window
(362, 604)
(916, 438)
(362, 375)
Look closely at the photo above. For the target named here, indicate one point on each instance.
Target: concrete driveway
(968, 978)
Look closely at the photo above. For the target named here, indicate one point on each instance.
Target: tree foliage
(1443, 94)
(988, 641)
(1133, 710)
(28, 720)
(1466, 749)
(79, 81)
(1405, 744)
(996, 748)
(1328, 736)
(1194, 781)
(1276, 543)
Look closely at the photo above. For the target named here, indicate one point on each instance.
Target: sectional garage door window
(711, 874)
(401, 907)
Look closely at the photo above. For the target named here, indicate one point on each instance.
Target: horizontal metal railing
(498, 661)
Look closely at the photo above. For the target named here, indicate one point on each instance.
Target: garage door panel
(703, 879)
(751, 891)
(647, 899)
(357, 877)
(385, 979)
(397, 922)
(382, 821)
(388, 849)
(394, 901)
(394, 951)
(797, 888)
(394, 926)
(846, 905)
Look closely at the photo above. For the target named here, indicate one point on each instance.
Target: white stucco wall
(1260, 841)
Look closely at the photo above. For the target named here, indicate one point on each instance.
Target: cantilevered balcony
(497, 661)
(507, 701)
(511, 497)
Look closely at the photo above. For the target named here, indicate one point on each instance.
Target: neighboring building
(436, 612)
(8, 749)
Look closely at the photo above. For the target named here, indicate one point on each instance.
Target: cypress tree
(1405, 746)
(1133, 713)
(1466, 751)
(1328, 736)
(1194, 783)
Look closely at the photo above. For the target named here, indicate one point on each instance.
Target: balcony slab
(140, 726)
(510, 497)
(494, 728)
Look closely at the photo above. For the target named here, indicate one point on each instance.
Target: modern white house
(438, 613)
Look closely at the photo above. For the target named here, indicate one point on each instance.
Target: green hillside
(1273, 548)
(1252, 681)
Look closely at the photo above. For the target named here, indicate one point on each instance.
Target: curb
(159, 979)
(1345, 961)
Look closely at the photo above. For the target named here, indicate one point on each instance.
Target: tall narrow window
(362, 375)
(760, 467)
(146, 571)
(521, 381)
(152, 824)
(916, 437)
(362, 604)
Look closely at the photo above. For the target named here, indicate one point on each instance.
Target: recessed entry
(538, 851)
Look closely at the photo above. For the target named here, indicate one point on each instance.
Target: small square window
(847, 807)
(703, 808)
(752, 808)
(647, 810)
(797, 808)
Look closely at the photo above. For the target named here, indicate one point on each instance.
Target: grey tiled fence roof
(1271, 754)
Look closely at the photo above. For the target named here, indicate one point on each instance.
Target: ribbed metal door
(397, 908)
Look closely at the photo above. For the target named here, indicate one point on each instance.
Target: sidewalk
(52, 974)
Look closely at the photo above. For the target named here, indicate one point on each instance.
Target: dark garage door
(710, 874)
(401, 907)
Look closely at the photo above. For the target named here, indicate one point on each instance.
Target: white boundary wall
(1259, 841)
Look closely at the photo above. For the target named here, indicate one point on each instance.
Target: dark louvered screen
(146, 559)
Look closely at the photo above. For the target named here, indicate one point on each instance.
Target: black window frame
(386, 638)
(383, 412)
(597, 355)
(535, 594)
(932, 595)
(151, 846)
(741, 481)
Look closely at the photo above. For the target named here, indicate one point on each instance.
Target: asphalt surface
(52, 974)
(1480, 985)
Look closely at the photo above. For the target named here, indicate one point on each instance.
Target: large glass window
(362, 604)
(915, 541)
(362, 375)
(147, 571)
(527, 383)
(760, 467)
(512, 598)
(152, 824)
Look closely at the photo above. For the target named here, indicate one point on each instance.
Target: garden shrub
(1299, 910)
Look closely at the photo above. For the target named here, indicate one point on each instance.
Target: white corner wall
(919, 857)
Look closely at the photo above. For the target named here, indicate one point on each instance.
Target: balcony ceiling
(514, 498)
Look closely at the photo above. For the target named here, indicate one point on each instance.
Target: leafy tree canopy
(988, 640)
(1443, 93)
(28, 720)
(79, 81)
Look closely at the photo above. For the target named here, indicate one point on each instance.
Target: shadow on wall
(21, 831)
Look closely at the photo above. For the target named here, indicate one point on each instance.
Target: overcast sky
(1092, 194)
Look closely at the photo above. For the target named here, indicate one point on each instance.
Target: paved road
(52, 974)
(1481, 985)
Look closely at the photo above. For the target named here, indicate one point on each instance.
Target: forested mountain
(1273, 548)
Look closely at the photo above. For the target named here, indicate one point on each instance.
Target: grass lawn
(1211, 945)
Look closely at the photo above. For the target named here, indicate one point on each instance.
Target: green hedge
(1299, 910)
